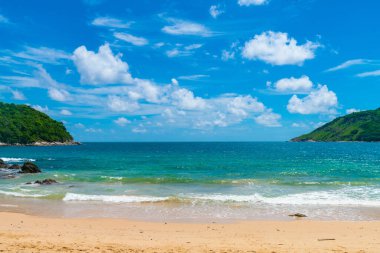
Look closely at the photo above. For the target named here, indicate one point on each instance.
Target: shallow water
(196, 181)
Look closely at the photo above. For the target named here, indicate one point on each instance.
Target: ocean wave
(16, 160)
(112, 198)
(23, 195)
(345, 197)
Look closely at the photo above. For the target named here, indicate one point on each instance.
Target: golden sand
(23, 233)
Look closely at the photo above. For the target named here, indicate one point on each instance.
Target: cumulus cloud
(121, 104)
(277, 48)
(137, 41)
(252, 2)
(243, 105)
(293, 85)
(215, 11)
(110, 22)
(65, 112)
(321, 100)
(102, 67)
(122, 121)
(185, 99)
(183, 27)
(269, 119)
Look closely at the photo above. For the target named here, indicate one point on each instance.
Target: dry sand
(23, 233)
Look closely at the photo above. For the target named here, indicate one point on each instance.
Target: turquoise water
(252, 176)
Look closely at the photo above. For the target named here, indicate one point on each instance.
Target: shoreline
(41, 144)
(26, 233)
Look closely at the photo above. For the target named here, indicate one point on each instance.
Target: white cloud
(192, 77)
(370, 73)
(299, 125)
(122, 121)
(43, 54)
(321, 100)
(193, 46)
(243, 105)
(183, 50)
(278, 49)
(93, 130)
(252, 2)
(228, 55)
(102, 67)
(293, 85)
(186, 100)
(352, 110)
(110, 22)
(18, 95)
(269, 119)
(139, 130)
(137, 41)
(65, 112)
(44, 109)
(59, 94)
(348, 64)
(215, 11)
(79, 125)
(121, 104)
(183, 27)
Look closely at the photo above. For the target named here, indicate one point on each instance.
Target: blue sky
(233, 70)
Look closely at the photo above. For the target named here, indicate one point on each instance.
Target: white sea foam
(360, 196)
(112, 178)
(23, 195)
(16, 160)
(112, 198)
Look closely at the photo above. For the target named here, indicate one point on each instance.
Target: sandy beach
(24, 233)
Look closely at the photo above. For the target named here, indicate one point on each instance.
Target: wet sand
(25, 233)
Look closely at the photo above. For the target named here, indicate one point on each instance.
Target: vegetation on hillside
(357, 126)
(25, 125)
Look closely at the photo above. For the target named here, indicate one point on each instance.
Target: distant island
(361, 126)
(23, 125)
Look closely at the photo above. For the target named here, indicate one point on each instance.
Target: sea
(197, 181)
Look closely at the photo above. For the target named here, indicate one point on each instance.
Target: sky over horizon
(232, 70)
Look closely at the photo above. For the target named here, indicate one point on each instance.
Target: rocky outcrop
(30, 167)
(298, 215)
(14, 167)
(48, 181)
(3, 165)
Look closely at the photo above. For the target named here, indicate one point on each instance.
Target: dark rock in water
(3, 164)
(298, 215)
(14, 167)
(48, 181)
(29, 167)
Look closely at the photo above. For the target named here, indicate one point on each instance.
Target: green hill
(21, 124)
(357, 126)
